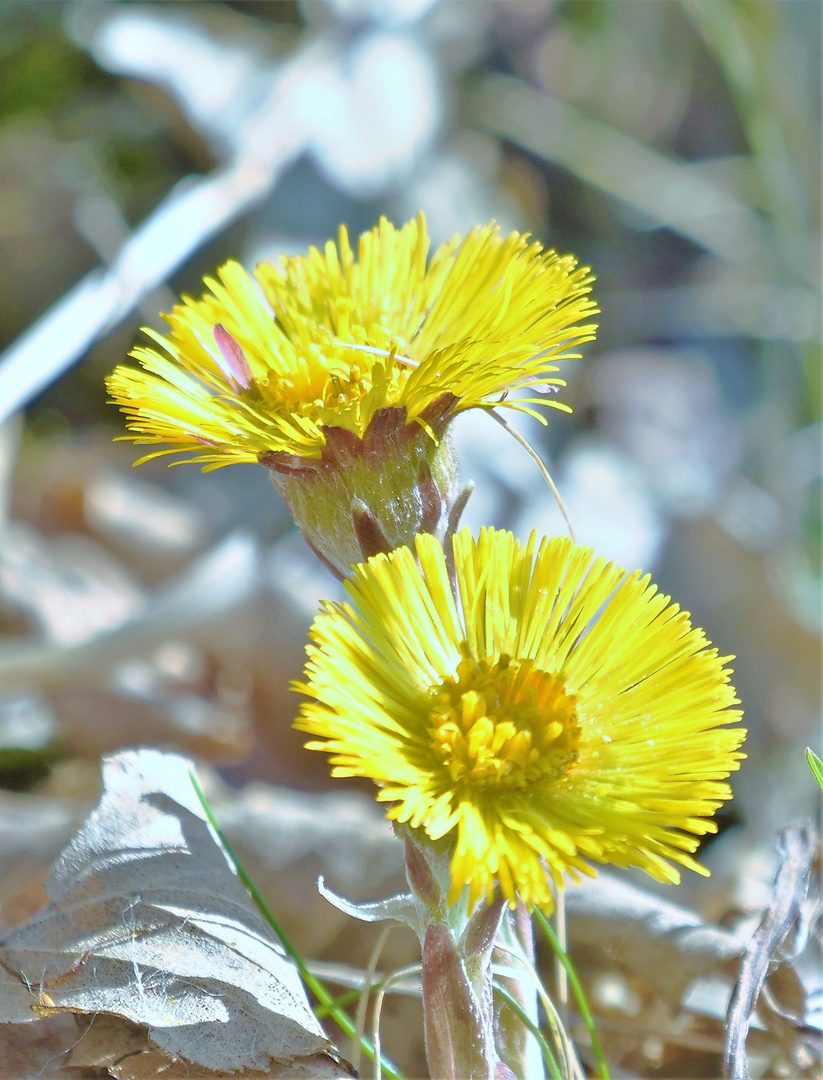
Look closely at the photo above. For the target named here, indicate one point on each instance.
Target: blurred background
(673, 146)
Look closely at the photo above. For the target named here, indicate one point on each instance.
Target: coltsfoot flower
(561, 712)
(340, 372)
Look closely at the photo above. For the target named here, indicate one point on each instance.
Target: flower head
(266, 367)
(341, 374)
(560, 711)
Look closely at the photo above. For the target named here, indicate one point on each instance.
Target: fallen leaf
(123, 1049)
(667, 944)
(211, 591)
(148, 921)
(796, 844)
(39, 1051)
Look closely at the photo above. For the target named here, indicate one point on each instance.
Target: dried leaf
(145, 524)
(39, 1051)
(796, 844)
(124, 1050)
(69, 587)
(209, 592)
(667, 944)
(149, 921)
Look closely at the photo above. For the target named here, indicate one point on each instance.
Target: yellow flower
(562, 711)
(342, 374)
(329, 339)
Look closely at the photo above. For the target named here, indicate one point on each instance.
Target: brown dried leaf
(667, 944)
(125, 1051)
(148, 921)
(796, 844)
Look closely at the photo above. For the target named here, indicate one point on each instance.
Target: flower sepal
(400, 908)
(366, 496)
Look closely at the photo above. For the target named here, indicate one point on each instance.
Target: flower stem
(458, 1021)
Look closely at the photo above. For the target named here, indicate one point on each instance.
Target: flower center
(503, 723)
(332, 380)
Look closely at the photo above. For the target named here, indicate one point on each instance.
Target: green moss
(42, 73)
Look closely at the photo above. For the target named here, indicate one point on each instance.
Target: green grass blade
(323, 996)
(351, 997)
(816, 765)
(579, 996)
